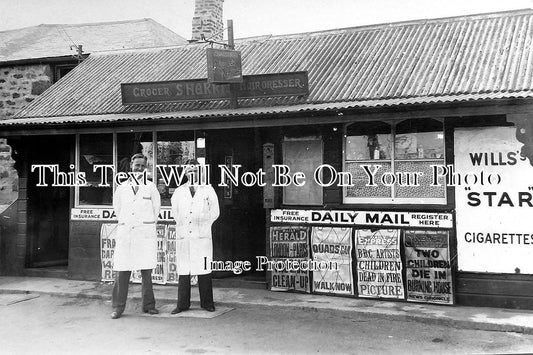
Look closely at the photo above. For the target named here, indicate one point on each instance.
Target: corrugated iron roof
(478, 57)
(54, 40)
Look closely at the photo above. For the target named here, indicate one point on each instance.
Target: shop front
(373, 162)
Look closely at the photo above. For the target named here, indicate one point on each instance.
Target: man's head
(138, 163)
(192, 169)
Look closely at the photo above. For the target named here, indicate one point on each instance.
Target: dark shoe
(210, 308)
(151, 311)
(177, 310)
(115, 315)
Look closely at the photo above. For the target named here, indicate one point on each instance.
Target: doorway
(239, 233)
(48, 206)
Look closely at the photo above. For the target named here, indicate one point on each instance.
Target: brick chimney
(208, 20)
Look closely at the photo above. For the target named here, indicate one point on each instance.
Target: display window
(116, 149)
(393, 162)
(173, 148)
(94, 149)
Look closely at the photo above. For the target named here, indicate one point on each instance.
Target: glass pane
(173, 148)
(305, 156)
(129, 144)
(419, 139)
(368, 141)
(425, 179)
(360, 180)
(95, 149)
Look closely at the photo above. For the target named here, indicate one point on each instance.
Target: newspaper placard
(158, 274)
(332, 247)
(289, 243)
(171, 262)
(293, 280)
(108, 233)
(429, 272)
(107, 249)
(379, 264)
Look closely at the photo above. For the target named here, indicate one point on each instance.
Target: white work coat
(194, 217)
(136, 238)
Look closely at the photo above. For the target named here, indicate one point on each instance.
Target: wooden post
(233, 87)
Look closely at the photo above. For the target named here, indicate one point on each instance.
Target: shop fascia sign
(363, 218)
(252, 86)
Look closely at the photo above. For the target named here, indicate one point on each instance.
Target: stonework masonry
(208, 20)
(20, 85)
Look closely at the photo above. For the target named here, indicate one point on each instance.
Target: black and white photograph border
(265, 177)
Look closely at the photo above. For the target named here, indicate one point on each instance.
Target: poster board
(289, 243)
(303, 155)
(171, 269)
(107, 247)
(379, 264)
(332, 245)
(428, 266)
(107, 250)
(494, 224)
(158, 274)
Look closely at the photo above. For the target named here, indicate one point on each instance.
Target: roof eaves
(64, 58)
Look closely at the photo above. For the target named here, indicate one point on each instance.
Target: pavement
(481, 318)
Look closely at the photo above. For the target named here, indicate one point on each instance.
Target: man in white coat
(195, 208)
(136, 204)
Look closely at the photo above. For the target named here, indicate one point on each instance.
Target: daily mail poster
(428, 266)
(494, 220)
(379, 264)
(332, 246)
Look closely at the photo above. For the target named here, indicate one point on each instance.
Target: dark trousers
(205, 286)
(120, 291)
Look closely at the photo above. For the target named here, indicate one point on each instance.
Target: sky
(250, 17)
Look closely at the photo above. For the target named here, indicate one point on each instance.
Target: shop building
(34, 58)
(422, 194)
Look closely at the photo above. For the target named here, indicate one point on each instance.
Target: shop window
(94, 149)
(129, 144)
(394, 153)
(172, 148)
(303, 155)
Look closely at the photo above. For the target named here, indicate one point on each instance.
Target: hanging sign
(224, 66)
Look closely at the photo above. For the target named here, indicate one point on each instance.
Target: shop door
(48, 206)
(239, 234)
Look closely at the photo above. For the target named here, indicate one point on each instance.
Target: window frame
(392, 200)
(115, 151)
(316, 138)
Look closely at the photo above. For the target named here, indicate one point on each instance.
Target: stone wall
(20, 85)
(208, 20)
(8, 176)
